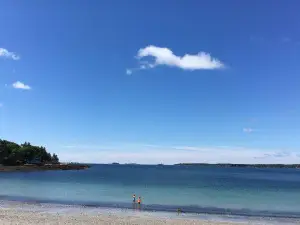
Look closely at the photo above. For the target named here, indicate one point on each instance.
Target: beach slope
(34, 215)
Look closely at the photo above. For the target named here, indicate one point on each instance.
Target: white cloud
(165, 56)
(8, 55)
(143, 66)
(128, 72)
(248, 130)
(20, 85)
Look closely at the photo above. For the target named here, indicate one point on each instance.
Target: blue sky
(152, 81)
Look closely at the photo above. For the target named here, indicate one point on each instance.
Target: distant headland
(242, 165)
(27, 157)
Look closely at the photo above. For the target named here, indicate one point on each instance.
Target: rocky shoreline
(32, 167)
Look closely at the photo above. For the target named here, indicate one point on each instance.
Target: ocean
(246, 192)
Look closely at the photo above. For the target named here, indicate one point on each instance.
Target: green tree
(55, 158)
(14, 154)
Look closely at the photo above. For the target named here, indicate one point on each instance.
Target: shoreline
(32, 213)
(46, 167)
(188, 210)
(124, 215)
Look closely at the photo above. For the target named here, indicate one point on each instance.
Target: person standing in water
(133, 198)
(179, 210)
(139, 201)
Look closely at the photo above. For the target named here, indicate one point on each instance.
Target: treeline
(242, 165)
(12, 154)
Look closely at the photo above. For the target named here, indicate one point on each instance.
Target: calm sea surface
(233, 191)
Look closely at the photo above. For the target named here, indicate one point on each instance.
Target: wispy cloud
(128, 71)
(153, 154)
(87, 146)
(20, 85)
(165, 56)
(281, 154)
(278, 154)
(286, 39)
(248, 130)
(4, 53)
(190, 148)
(276, 40)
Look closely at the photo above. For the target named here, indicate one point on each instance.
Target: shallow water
(208, 190)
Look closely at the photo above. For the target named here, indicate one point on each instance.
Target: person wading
(139, 201)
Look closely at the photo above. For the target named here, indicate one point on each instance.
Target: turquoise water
(231, 191)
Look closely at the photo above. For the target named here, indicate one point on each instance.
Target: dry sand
(13, 216)
(34, 214)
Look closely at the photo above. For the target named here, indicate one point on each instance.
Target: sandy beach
(27, 214)
(28, 218)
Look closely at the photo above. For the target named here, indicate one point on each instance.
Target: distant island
(27, 157)
(242, 165)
